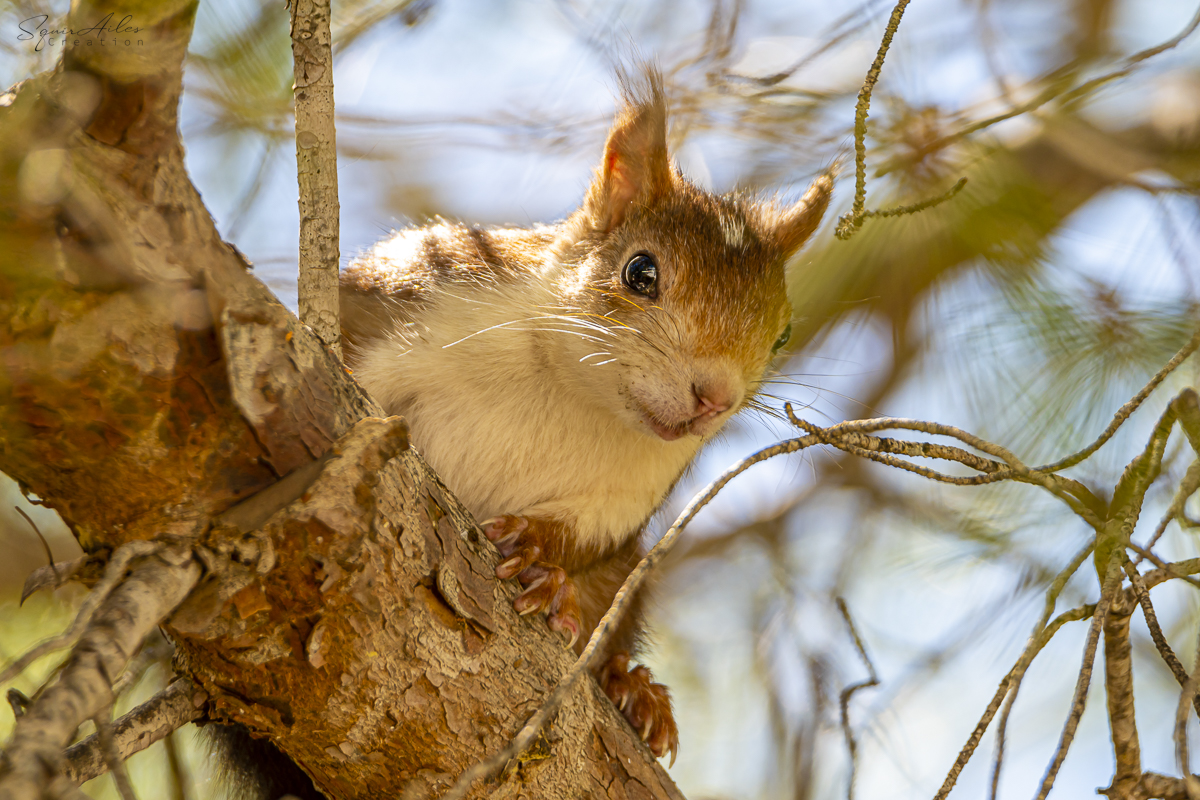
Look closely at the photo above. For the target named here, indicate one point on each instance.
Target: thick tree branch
(156, 391)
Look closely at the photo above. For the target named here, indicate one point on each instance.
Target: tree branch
(316, 169)
(157, 584)
(153, 720)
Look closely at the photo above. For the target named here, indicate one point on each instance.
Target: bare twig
(170, 709)
(1057, 91)
(1034, 647)
(1118, 685)
(1142, 593)
(316, 166)
(1124, 412)
(36, 530)
(1165, 571)
(154, 588)
(1153, 785)
(852, 437)
(113, 574)
(1041, 632)
(1187, 487)
(1186, 699)
(1112, 583)
(851, 222)
(848, 692)
(1183, 570)
(156, 650)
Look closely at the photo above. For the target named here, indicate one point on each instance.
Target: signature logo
(34, 29)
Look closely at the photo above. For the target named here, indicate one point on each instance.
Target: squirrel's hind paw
(645, 704)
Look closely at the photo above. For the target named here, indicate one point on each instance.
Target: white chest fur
(498, 421)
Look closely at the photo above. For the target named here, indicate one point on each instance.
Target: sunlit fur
(529, 372)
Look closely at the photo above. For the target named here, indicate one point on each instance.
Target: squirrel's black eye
(641, 275)
(783, 338)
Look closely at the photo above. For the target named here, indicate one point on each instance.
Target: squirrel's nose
(712, 398)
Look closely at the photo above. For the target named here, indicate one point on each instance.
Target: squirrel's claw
(547, 587)
(564, 613)
(646, 705)
(512, 538)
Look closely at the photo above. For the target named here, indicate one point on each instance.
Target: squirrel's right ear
(635, 167)
(796, 224)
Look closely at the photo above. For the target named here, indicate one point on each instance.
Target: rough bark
(152, 388)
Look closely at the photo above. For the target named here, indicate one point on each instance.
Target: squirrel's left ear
(796, 224)
(635, 167)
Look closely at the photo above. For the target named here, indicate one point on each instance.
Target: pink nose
(712, 398)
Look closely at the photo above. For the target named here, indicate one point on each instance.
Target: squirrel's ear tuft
(635, 166)
(796, 224)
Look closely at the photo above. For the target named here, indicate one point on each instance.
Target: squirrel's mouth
(670, 431)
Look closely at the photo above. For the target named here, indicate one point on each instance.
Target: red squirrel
(560, 378)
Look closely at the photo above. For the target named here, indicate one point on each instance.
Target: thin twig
(113, 574)
(1112, 583)
(178, 704)
(1165, 571)
(913, 208)
(853, 437)
(36, 530)
(608, 623)
(156, 649)
(851, 222)
(1054, 92)
(1018, 673)
(848, 692)
(1142, 593)
(1186, 698)
(1187, 487)
(1034, 647)
(1182, 570)
(862, 107)
(1124, 412)
(154, 588)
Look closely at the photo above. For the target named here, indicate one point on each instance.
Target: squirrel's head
(681, 293)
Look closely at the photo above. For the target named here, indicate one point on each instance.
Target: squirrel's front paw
(547, 587)
(645, 704)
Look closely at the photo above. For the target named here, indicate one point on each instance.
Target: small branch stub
(316, 170)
